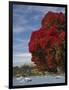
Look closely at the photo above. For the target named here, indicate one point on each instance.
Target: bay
(48, 79)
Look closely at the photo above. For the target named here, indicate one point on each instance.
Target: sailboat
(27, 79)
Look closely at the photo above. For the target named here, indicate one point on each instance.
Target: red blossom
(48, 39)
(43, 42)
(51, 62)
(32, 45)
(62, 34)
(53, 30)
(35, 59)
(52, 18)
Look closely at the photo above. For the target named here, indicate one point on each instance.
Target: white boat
(27, 79)
(23, 79)
(58, 77)
(19, 78)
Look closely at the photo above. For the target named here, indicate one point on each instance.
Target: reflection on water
(38, 80)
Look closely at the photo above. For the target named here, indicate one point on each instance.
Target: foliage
(26, 70)
(47, 45)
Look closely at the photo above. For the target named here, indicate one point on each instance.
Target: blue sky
(26, 19)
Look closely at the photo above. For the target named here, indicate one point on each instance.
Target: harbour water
(34, 80)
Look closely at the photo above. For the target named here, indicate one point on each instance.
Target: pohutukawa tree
(47, 45)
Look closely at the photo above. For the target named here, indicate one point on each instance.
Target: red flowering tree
(48, 43)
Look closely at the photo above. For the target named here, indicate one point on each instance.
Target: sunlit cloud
(22, 55)
(21, 59)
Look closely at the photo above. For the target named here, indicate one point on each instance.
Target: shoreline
(61, 74)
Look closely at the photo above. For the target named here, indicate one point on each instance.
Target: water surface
(39, 80)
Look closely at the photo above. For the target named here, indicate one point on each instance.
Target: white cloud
(22, 40)
(22, 55)
(22, 24)
(22, 44)
(25, 28)
(21, 59)
(18, 29)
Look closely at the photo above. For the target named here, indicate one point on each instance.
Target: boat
(58, 77)
(24, 79)
(27, 79)
(19, 78)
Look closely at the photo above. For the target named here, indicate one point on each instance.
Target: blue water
(39, 80)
